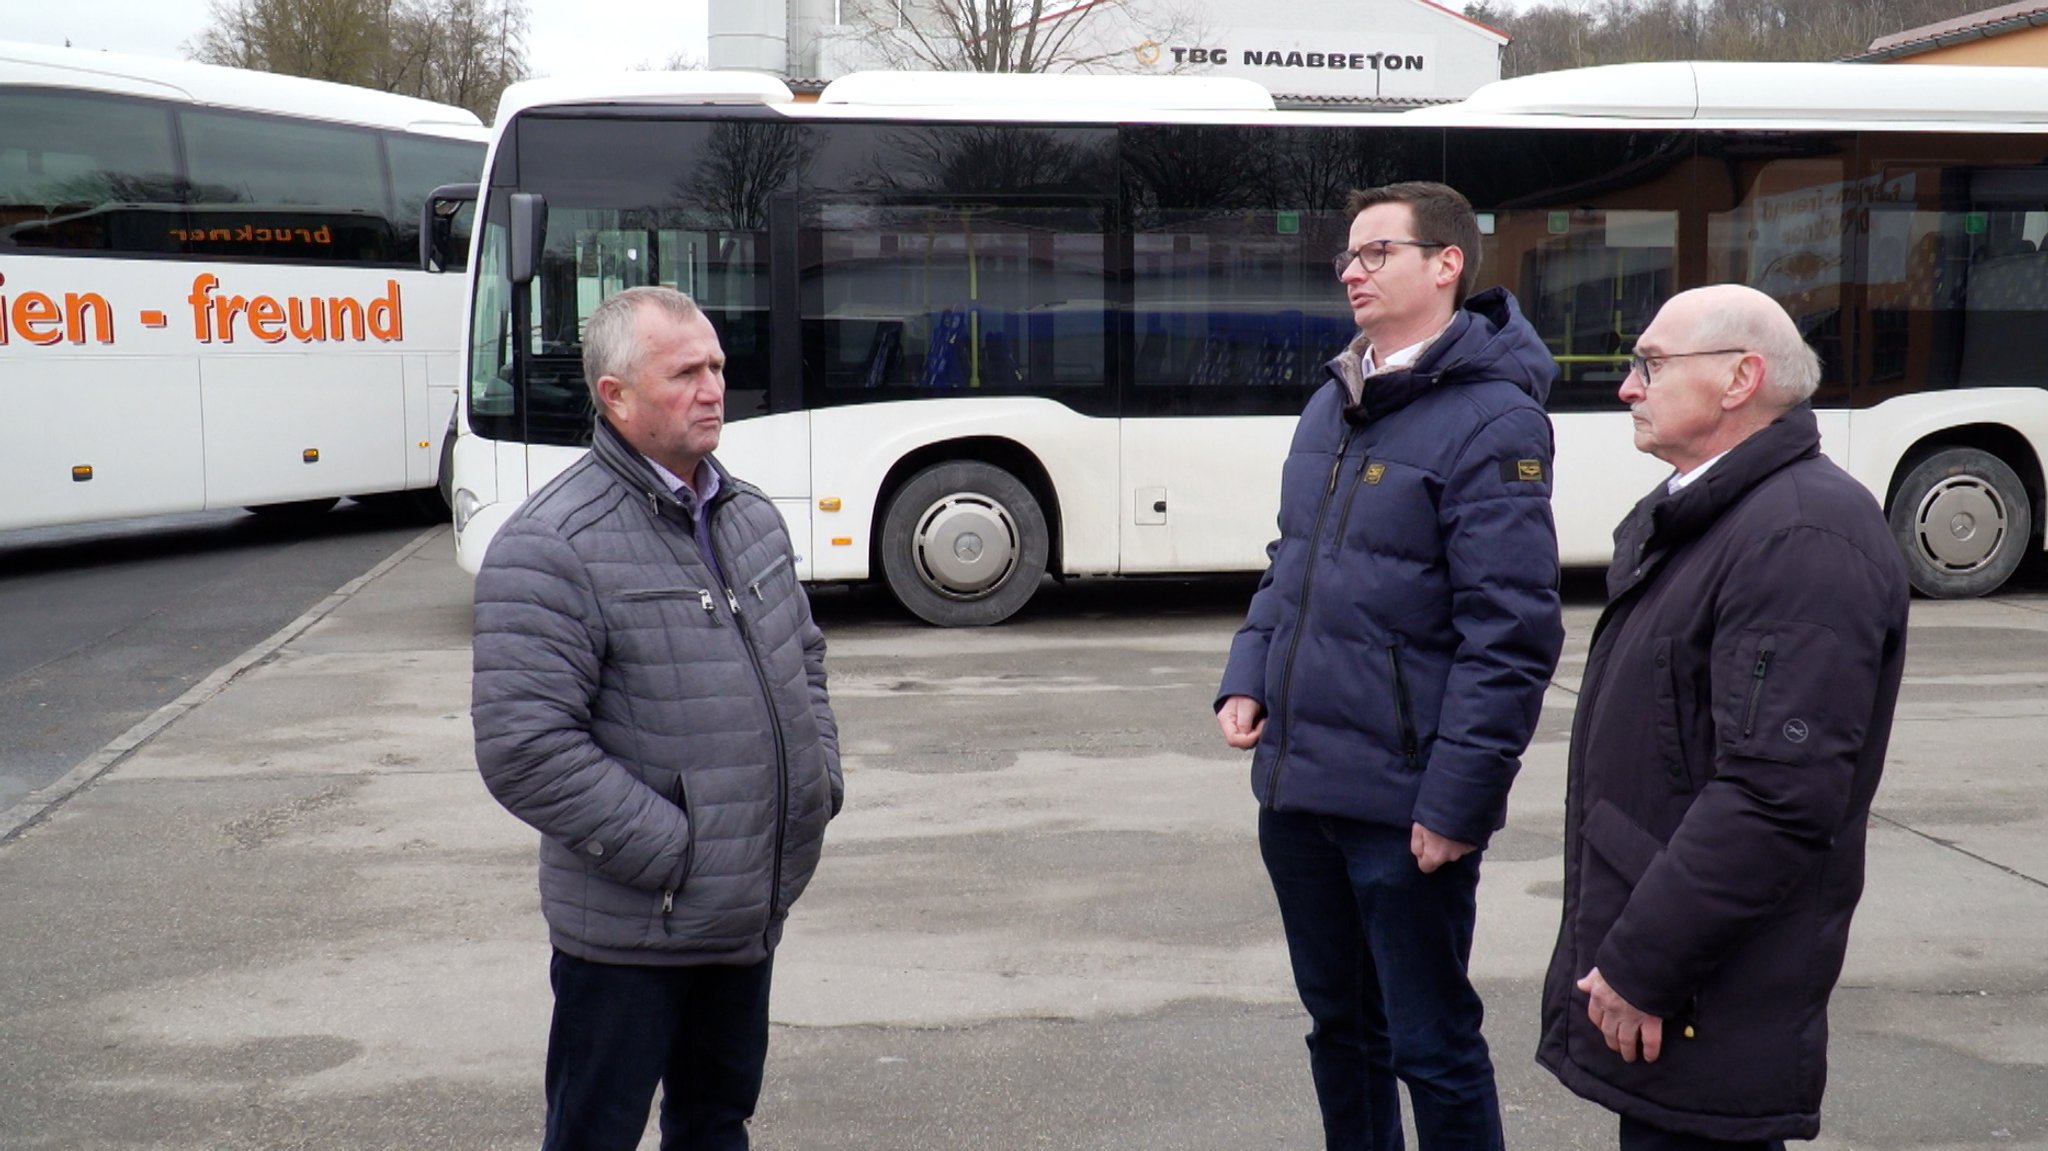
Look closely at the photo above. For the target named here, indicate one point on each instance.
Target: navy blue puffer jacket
(1408, 623)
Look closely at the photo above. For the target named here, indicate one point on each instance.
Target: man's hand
(1242, 720)
(1627, 1029)
(1433, 851)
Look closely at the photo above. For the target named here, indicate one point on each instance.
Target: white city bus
(981, 328)
(210, 288)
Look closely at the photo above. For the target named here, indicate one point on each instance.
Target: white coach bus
(210, 288)
(982, 328)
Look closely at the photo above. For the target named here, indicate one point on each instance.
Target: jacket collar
(618, 456)
(1488, 339)
(1663, 521)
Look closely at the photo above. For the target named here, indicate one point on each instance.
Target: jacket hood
(1488, 340)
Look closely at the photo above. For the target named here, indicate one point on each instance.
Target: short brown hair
(1442, 216)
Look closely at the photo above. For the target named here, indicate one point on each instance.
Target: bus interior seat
(885, 350)
(945, 359)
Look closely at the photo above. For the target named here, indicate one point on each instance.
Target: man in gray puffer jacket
(649, 693)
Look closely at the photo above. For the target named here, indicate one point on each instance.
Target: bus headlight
(466, 507)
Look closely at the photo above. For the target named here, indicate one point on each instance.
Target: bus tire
(1964, 522)
(964, 544)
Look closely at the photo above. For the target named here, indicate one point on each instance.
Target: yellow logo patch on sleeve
(1522, 471)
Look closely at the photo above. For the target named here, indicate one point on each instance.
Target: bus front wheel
(964, 544)
(1963, 520)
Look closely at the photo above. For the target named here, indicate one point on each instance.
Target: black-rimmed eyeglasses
(1644, 364)
(1372, 257)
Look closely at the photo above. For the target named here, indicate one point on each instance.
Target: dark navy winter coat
(1407, 626)
(1730, 732)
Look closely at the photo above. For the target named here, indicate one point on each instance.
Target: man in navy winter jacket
(1392, 666)
(1730, 733)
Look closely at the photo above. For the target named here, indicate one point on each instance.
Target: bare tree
(1019, 35)
(453, 51)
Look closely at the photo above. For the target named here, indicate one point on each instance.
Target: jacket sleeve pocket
(1777, 693)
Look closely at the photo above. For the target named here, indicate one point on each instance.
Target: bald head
(1717, 365)
(1739, 316)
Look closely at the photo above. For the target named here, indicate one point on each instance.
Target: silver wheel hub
(1961, 524)
(966, 545)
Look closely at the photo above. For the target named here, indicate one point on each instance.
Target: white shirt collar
(1397, 359)
(1679, 482)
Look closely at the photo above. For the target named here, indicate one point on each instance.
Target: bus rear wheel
(964, 544)
(1963, 520)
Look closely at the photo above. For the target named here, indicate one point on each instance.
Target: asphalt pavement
(282, 912)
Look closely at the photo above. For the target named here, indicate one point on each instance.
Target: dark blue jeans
(700, 1033)
(1379, 952)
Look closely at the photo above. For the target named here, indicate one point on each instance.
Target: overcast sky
(566, 35)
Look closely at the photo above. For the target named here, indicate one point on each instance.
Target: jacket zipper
(770, 570)
(1344, 513)
(732, 602)
(1402, 710)
(1756, 683)
(1308, 574)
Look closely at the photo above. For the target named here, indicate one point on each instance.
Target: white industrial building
(1308, 53)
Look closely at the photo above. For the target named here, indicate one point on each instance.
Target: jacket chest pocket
(770, 584)
(1387, 507)
(1668, 718)
(633, 609)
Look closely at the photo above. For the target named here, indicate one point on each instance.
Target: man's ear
(1746, 385)
(611, 397)
(1452, 268)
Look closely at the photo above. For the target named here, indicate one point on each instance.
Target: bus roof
(182, 81)
(1003, 95)
(1748, 92)
(644, 88)
(1106, 92)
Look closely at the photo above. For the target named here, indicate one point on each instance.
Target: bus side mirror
(444, 228)
(528, 234)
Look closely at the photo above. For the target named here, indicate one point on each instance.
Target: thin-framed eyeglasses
(1373, 256)
(1645, 364)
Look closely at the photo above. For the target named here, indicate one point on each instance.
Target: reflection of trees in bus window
(744, 164)
(277, 162)
(65, 155)
(991, 160)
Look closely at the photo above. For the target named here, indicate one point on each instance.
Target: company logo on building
(1262, 58)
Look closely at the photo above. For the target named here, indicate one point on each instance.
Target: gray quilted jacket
(668, 734)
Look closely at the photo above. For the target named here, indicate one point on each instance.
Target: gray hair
(609, 348)
(1760, 324)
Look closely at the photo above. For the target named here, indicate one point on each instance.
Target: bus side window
(65, 158)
